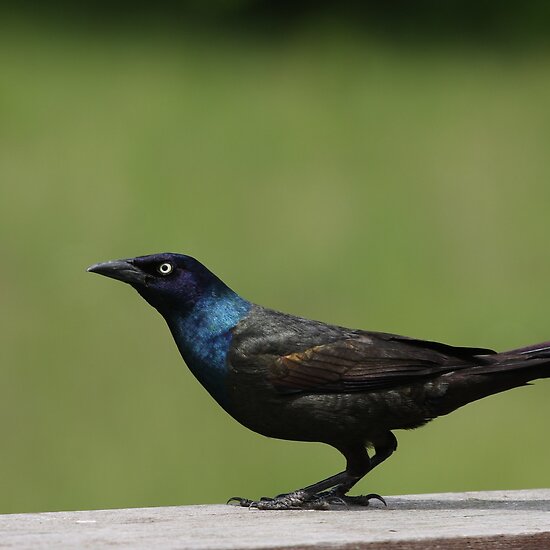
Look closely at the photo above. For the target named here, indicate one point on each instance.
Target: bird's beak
(123, 270)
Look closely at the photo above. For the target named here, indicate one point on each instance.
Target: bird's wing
(369, 362)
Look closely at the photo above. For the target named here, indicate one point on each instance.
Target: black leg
(384, 446)
(333, 489)
(358, 463)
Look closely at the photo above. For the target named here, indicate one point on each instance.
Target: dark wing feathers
(369, 362)
(453, 351)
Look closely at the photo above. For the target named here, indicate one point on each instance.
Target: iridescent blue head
(169, 282)
(201, 310)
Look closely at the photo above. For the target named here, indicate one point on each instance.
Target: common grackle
(292, 378)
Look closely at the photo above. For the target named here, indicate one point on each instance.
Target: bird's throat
(203, 336)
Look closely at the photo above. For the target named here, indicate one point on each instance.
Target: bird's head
(169, 282)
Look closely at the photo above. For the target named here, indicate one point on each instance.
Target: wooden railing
(480, 520)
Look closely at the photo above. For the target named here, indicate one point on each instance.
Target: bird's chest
(204, 341)
(206, 356)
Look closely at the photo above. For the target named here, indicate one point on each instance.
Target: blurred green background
(389, 173)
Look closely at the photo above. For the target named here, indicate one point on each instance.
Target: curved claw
(377, 497)
(245, 502)
(363, 500)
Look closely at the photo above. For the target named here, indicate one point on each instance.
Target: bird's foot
(297, 500)
(303, 500)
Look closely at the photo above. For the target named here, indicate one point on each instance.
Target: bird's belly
(327, 418)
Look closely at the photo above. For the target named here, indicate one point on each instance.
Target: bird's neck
(203, 336)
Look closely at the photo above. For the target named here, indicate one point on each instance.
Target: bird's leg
(333, 489)
(384, 446)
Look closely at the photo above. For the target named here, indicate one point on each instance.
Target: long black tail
(533, 361)
(496, 373)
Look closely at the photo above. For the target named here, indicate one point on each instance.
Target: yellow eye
(165, 268)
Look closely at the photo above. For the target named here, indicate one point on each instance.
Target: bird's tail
(496, 373)
(531, 361)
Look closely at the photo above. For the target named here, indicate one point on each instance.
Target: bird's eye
(165, 268)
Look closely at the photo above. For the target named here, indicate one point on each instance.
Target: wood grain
(493, 520)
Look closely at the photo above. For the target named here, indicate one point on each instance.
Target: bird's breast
(204, 338)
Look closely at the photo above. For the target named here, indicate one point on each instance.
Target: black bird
(292, 378)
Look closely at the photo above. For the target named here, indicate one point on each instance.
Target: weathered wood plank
(497, 519)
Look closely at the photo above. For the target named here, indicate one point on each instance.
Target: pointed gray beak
(123, 270)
